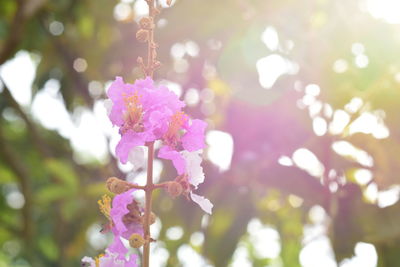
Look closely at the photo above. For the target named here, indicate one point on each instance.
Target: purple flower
(191, 140)
(120, 207)
(141, 111)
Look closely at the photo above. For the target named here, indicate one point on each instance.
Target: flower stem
(151, 45)
(149, 187)
(148, 191)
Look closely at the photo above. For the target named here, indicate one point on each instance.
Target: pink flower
(122, 226)
(192, 139)
(141, 111)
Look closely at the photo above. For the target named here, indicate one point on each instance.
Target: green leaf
(51, 193)
(62, 172)
(49, 248)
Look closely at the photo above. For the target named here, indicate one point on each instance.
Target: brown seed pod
(136, 241)
(174, 189)
(142, 35)
(117, 186)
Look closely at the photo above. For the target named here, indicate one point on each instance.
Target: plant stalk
(149, 192)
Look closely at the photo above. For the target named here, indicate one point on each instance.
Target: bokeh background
(301, 97)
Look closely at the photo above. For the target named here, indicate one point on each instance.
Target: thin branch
(24, 11)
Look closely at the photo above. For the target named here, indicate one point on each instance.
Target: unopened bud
(146, 23)
(174, 189)
(156, 64)
(116, 185)
(139, 60)
(142, 35)
(136, 241)
(169, 2)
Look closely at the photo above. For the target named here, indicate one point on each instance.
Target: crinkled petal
(128, 141)
(132, 261)
(117, 246)
(203, 202)
(162, 97)
(193, 167)
(157, 121)
(178, 161)
(116, 114)
(136, 157)
(117, 92)
(193, 139)
(146, 83)
(118, 89)
(119, 209)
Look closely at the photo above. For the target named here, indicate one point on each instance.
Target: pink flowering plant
(146, 113)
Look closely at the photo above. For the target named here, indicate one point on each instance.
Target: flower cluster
(147, 113)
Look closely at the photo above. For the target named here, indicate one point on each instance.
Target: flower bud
(174, 189)
(146, 23)
(169, 2)
(139, 60)
(116, 185)
(136, 241)
(142, 35)
(156, 64)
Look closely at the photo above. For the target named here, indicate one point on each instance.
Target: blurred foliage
(60, 192)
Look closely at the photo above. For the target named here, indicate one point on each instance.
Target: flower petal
(193, 167)
(117, 246)
(119, 209)
(128, 141)
(203, 202)
(194, 138)
(166, 152)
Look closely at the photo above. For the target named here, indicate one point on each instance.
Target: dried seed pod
(136, 241)
(146, 23)
(110, 181)
(174, 189)
(142, 35)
